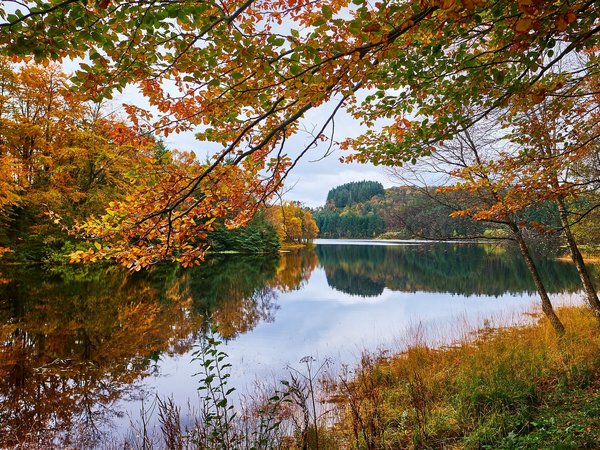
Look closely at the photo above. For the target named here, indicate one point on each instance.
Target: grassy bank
(591, 253)
(507, 388)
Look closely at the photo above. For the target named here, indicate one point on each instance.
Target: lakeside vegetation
(515, 387)
(506, 388)
(497, 100)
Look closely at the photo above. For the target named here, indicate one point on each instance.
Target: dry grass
(499, 388)
(470, 395)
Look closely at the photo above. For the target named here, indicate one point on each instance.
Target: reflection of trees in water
(354, 282)
(454, 268)
(232, 290)
(73, 341)
(239, 291)
(294, 269)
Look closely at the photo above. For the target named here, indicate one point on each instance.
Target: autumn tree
(9, 192)
(66, 160)
(556, 138)
(544, 153)
(293, 222)
(60, 154)
(488, 188)
(246, 72)
(310, 230)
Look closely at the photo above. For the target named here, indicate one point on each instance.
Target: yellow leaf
(523, 25)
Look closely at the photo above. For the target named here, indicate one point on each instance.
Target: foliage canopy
(246, 72)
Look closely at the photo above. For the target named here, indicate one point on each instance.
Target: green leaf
(295, 69)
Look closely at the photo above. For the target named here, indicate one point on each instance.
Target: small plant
(360, 393)
(219, 425)
(217, 413)
(302, 393)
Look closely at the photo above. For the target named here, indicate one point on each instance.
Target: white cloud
(310, 181)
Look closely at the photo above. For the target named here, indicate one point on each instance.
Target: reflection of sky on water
(384, 242)
(98, 331)
(320, 321)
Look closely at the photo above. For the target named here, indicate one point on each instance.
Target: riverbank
(590, 253)
(507, 388)
(586, 258)
(288, 246)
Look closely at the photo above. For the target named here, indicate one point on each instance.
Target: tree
(293, 222)
(556, 138)
(58, 153)
(248, 71)
(476, 163)
(310, 230)
(542, 149)
(354, 192)
(9, 191)
(258, 236)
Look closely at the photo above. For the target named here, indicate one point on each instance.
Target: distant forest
(364, 209)
(352, 193)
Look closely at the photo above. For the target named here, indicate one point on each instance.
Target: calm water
(81, 347)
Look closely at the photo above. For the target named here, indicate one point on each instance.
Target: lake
(83, 347)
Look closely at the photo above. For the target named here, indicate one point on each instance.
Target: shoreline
(586, 258)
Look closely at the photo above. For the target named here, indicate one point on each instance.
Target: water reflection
(75, 342)
(365, 270)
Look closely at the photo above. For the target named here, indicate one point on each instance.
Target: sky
(314, 175)
(311, 179)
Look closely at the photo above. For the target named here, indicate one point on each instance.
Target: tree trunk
(547, 307)
(588, 287)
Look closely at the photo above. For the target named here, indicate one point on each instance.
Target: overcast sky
(311, 179)
(313, 176)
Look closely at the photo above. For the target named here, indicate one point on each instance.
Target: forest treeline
(64, 159)
(364, 209)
